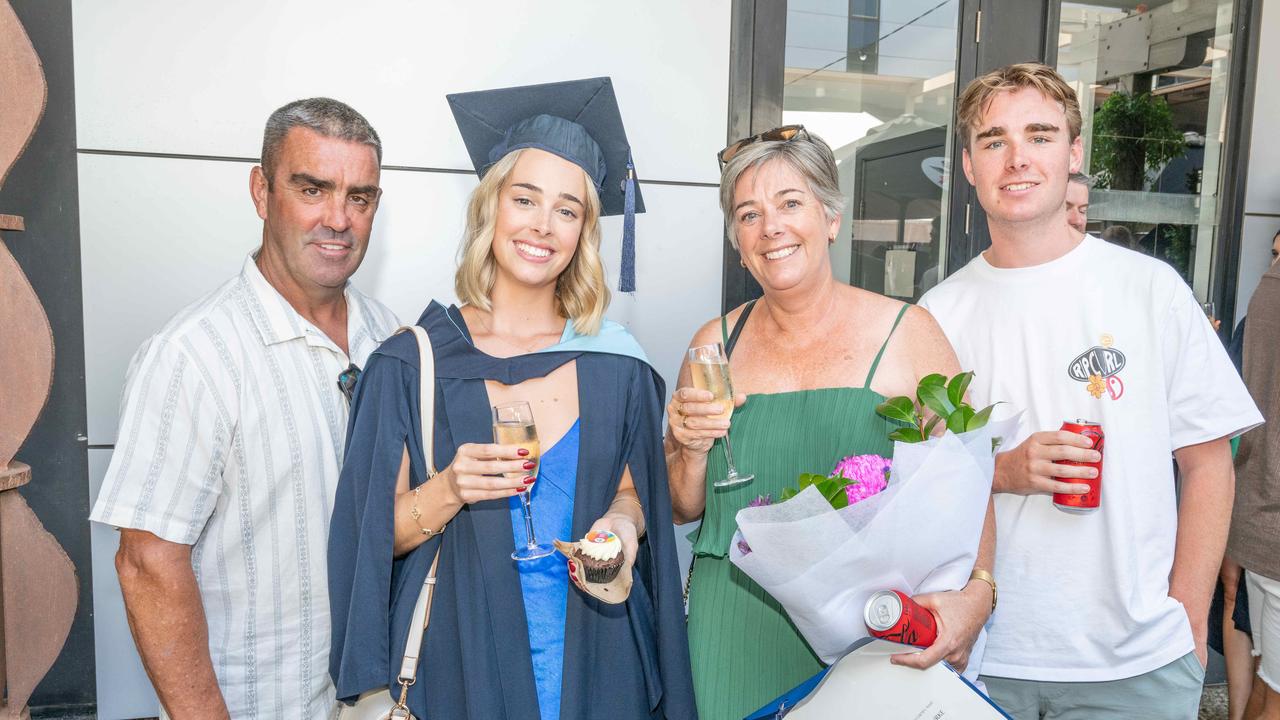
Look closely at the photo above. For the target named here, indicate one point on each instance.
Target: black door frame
(756, 77)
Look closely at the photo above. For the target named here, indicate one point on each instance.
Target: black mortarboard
(577, 120)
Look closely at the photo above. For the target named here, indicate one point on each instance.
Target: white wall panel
(201, 78)
(124, 691)
(157, 233)
(189, 79)
(1263, 192)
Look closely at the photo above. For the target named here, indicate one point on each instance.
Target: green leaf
(786, 494)
(928, 429)
(899, 408)
(957, 388)
(958, 420)
(935, 398)
(979, 418)
(832, 490)
(933, 379)
(840, 500)
(907, 434)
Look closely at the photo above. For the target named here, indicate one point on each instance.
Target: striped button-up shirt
(230, 440)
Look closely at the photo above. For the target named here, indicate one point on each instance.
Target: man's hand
(167, 619)
(1204, 513)
(1200, 632)
(1030, 468)
(960, 615)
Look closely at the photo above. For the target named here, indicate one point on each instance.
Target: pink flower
(760, 501)
(867, 475)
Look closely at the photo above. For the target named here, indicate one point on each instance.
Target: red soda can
(894, 616)
(1089, 501)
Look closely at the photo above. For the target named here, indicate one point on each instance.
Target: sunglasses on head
(784, 133)
(347, 380)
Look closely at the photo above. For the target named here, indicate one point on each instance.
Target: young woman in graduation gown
(506, 639)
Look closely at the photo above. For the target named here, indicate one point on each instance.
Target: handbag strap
(427, 409)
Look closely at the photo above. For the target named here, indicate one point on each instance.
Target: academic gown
(620, 661)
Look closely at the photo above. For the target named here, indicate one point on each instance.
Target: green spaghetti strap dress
(744, 649)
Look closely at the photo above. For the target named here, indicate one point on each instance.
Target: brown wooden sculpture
(37, 579)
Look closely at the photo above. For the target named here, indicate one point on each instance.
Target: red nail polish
(529, 480)
(517, 491)
(523, 452)
(529, 465)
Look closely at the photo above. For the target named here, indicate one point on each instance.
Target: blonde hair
(581, 291)
(979, 93)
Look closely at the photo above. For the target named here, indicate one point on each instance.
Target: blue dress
(544, 583)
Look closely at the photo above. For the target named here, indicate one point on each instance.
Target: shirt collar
(275, 318)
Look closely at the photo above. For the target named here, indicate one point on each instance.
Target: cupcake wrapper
(601, 574)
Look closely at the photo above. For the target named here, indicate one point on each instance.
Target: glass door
(876, 80)
(1153, 88)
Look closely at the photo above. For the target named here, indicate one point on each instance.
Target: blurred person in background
(1078, 200)
(1255, 523)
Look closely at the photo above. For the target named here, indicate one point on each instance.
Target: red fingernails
(529, 480)
(523, 452)
(517, 491)
(529, 465)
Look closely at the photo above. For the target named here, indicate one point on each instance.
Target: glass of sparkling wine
(513, 425)
(710, 368)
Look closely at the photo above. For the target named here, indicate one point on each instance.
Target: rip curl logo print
(1099, 368)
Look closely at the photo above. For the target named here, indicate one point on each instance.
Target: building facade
(163, 105)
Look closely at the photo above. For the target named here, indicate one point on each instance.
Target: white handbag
(379, 704)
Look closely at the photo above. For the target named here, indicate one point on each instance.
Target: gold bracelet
(988, 578)
(417, 517)
(630, 499)
(639, 531)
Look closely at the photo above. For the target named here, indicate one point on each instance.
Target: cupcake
(600, 554)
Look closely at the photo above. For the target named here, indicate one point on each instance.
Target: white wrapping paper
(919, 535)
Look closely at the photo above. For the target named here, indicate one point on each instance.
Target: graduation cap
(577, 120)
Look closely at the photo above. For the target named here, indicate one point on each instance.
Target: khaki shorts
(1264, 617)
(1171, 692)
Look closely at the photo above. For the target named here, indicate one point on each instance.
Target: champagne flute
(513, 425)
(710, 368)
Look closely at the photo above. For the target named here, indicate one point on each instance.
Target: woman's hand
(694, 418)
(960, 615)
(625, 528)
(479, 472)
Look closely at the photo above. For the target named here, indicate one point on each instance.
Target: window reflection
(876, 81)
(1153, 94)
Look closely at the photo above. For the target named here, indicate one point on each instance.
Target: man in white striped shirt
(231, 437)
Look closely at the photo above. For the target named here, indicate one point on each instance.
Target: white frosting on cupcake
(600, 545)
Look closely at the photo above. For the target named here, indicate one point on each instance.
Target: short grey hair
(1079, 177)
(807, 154)
(329, 117)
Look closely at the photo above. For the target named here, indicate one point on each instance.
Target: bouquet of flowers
(912, 523)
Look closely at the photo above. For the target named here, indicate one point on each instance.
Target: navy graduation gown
(620, 661)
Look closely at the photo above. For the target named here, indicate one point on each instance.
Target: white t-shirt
(1105, 334)
(231, 437)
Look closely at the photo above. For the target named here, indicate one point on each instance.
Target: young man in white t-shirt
(1101, 615)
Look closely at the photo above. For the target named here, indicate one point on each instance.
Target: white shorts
(1264, 616)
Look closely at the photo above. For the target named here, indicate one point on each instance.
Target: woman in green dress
(810, 360)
